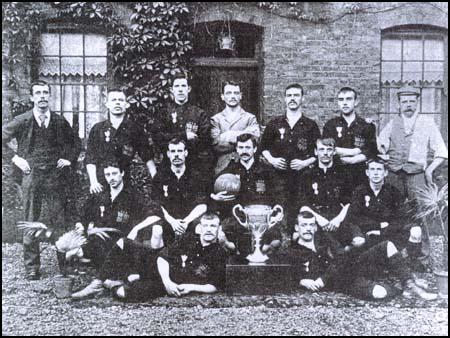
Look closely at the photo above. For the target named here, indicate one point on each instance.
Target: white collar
(36, 115)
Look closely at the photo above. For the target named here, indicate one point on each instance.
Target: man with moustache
(176, 193)
(253, 176)
(229, 124)
(47, 150)
(407, 139)
(320, 263)
(180, 119)
(118, 137)
(194, 263)
(355, 138)
(288, 146)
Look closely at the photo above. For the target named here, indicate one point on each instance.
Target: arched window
(74, 63)
(417, 56)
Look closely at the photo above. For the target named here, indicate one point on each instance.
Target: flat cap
(408, 90)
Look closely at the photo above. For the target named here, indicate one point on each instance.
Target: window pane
(412, 50)
(71, 44)
(391, 50)
(49, 44)
(391, 71)
(55, 99)
(71, 66)
(95, 66)
(94, 98)
(431, 100)
(412, 71)
(95, 45)
(49, 66)
(434, 71)
(434, 50)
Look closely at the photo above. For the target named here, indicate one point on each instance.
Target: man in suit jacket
(47, 149)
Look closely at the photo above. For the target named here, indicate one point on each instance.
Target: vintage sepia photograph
(224, 168)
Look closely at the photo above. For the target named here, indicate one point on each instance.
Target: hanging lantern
(227, 42)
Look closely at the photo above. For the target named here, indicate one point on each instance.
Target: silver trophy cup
(258, 219)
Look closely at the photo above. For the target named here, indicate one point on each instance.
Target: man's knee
(379, 292)
(391, 249)
(121, 292)
(415, 234)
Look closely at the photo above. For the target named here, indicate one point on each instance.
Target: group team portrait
(183, 151)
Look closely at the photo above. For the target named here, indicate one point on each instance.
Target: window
(410, 56)
(75, 66)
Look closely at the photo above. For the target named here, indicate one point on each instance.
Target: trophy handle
(278, 217)
(241, 209)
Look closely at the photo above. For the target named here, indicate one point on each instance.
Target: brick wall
(324, 57)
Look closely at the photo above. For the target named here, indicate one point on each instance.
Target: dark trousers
(39, 186)
(134, 258)
(358, 275)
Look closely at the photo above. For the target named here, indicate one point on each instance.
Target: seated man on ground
(191, 264)
(253, 190)
(322, 264)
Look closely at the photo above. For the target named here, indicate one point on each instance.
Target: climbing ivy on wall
(144, 55)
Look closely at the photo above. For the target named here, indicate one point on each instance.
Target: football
(228, 182)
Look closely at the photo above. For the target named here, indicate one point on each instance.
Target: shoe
(109, 284)
(33, 275)
(92, 289)
(411, 290)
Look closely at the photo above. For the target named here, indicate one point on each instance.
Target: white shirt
(38, 120)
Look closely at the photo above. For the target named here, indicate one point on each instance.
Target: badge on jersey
(282, 132)
(122, 216)
(102, 210)
(367, 198)
(339, 131)
(107, 135)
(359, 141)
(315, 187)
(127, 150)
(166, 190)
(302, 144)
(260, 186)
(183, 260)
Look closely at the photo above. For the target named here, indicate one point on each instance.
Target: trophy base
(257, 259)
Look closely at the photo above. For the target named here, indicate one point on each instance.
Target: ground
(30, 308)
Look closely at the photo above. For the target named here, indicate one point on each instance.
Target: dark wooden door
(207, 87)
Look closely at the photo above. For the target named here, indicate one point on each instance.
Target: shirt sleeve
(267, 137)
(219, 141)
(328, 130)
(370, 147)
(315, 135)
(9, 132)
(437, 143)
(384, 139)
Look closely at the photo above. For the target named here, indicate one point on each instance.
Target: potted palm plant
(432, 202)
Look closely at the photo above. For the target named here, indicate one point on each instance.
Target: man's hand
(191, 135)
(185, 289)
(95, 188)
(22, 164)
(334, 224)
(230, 136)
(178, 225)
(310, 284)
(223, 197)
(278, 163)
(297, 165)
(319, 283)
(373, 233)
(172, 289)
(63, 163)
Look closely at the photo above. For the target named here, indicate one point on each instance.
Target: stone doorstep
(253, 279)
